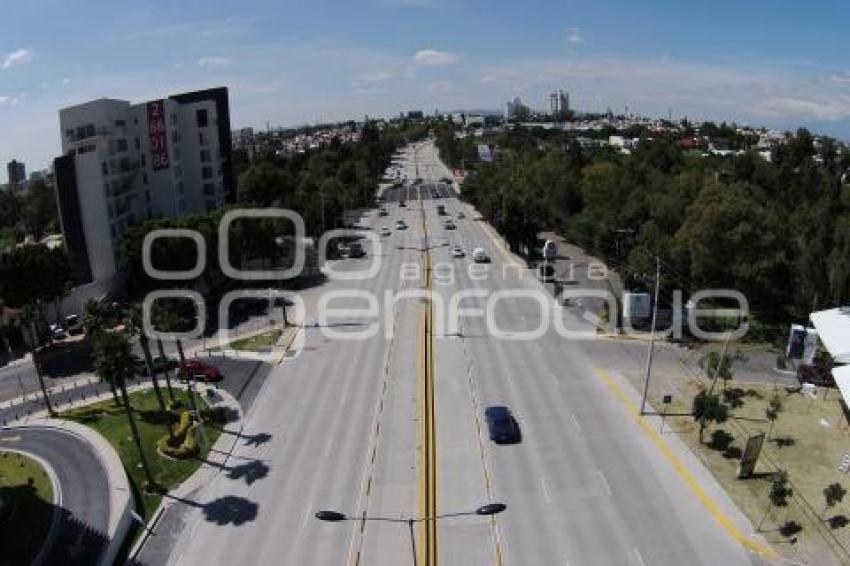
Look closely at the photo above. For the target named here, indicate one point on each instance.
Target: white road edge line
(637, 558)
(605, 483)
(576, 424)
(545, 489)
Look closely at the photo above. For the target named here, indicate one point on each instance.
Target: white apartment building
(124, 163)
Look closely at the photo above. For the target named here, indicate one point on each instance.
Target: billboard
(157, 134)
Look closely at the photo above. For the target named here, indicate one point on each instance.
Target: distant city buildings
(123, 163)
(559, 103)
(516, 110)
(17, 174)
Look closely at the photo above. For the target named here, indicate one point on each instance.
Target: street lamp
(487, 510)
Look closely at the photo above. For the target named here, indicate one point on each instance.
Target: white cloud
(214, 61)
(840, 78)
(18, 57)
(435, 57)
(8, 101)
(574, 36)
(836, 108)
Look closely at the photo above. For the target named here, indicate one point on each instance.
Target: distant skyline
(778, 64)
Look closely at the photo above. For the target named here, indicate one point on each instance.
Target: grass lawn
(255, 342)
(111, 422)
(809, 440)
(26, 493)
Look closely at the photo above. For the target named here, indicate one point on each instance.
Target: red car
(199, 370)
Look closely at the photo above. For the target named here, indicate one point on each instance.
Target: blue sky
(780, 63)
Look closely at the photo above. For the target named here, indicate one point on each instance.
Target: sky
(779, 63)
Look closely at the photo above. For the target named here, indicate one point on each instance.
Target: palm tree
(94, 319)
(114, 363)
(134, 327)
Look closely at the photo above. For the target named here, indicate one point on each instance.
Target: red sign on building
(157, 134)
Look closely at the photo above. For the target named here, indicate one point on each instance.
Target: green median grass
(26, 508)
(110, 422)
(253, 343)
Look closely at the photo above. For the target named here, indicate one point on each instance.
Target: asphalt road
(339, 423)
(84, 511)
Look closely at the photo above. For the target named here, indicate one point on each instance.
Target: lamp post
(483, 511)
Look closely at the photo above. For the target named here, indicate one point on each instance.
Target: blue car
(503, 427)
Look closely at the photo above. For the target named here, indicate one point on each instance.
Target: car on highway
(383, 211)
(503, 428)
(480, 256)
(441, 209)
(385, 231)
(400, 225)
(355, 249)
(199, 371)
(457, 251)
(402, 204)
(449, 225)
(461, 215)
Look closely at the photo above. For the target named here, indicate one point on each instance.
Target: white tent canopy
(833, 328)
(842, 380)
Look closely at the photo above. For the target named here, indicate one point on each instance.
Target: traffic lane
(81, 536)
(317, 408)
(642, 501)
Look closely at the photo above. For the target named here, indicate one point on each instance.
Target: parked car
(355, 249)
(400, 225)
(502, 426)
(57, 332)
(383, 211)
(73, 324)
(198, 370)
(160, 365)
(457, 251)
(385, 231)
(402, 204)
(480, 256)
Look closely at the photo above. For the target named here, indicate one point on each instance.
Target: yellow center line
(684, 473)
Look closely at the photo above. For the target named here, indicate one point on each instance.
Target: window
(180, 188)
(205, 156)
(175, 137)
(69, 133)
(145, 178)
(135, 121)
(176, 153)
(137, 143)
(147, 196)
(202, 117)
(206, 173)
(209, 189)
(174, 119)
(111, 210)
(122, 145)
(120, 124)
(144, 160)
(202, 138)
(104, 168)
(106, 190)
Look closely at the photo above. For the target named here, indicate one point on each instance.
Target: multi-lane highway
(585, 486)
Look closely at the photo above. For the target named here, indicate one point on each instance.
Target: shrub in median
(185, 445)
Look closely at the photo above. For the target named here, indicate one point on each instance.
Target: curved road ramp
(92, 501)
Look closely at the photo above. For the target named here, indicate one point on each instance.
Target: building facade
(559, 103)
(124, 163)
(17, 174)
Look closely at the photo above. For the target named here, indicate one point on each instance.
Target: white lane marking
(554, 379)
(328, 448)
(576, 424)
(605, 483)
(545, 489)
(636, 558)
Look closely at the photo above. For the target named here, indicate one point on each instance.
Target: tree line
(778, 230)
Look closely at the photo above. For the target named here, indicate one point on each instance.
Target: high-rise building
(559, 103)
(512, 108)
(123, 163)
(17, 173)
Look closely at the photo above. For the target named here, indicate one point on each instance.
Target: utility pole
(651, 336)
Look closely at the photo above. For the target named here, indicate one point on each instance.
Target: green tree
(780, 492)
(833, 494)
(708, 408)
(113, 362)
(771, 412)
